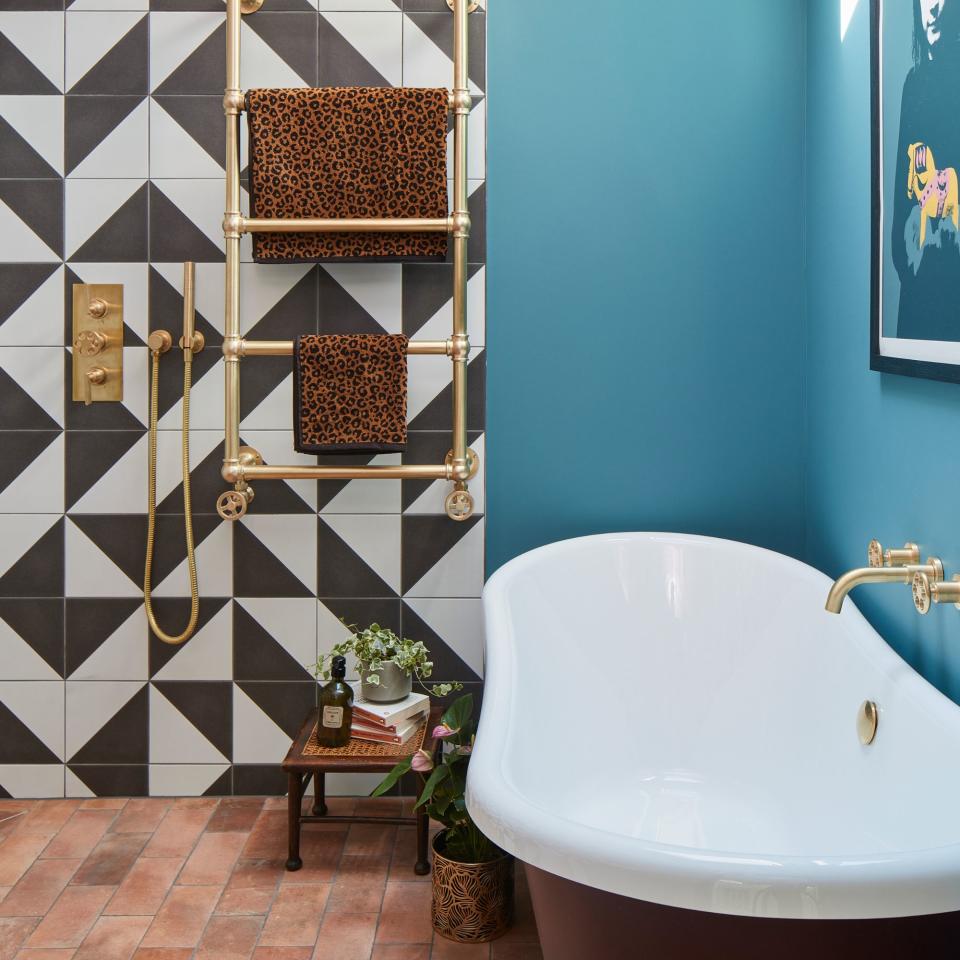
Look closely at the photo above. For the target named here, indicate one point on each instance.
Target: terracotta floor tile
(17, 854)
(379, 806)
(181, 919)
(401, 951)
(239, 901)
(48, 816)
(163, 953)
(145, 887)
(178, 831)
(229, 938)
(320, 851)
(113, 938)
(275, 803)
(13, 931)
(3, 893)
(197, 803)
(141, 815)
(38, 888)
(71, 917)
(444, 949)
(111, 859)
(103, 803)
(405, 856)
(213, 859)
(235, 815)
(346, 938)
(283, 953)
(257, 873)
(515, 951)
(405, 915)
(46, 954)
(369, 838)
(268, 838)
(295, 916)
(79, 835)
(359, 885)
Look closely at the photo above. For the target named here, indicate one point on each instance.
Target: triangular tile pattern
(112, 157)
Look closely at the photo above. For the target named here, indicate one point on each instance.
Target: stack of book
(388, 722)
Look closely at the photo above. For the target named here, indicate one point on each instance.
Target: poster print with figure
(915, 63)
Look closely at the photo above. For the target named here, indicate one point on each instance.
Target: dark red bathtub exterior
(576, 922)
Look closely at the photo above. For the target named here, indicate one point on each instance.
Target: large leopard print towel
(350, 393)
(338, 152)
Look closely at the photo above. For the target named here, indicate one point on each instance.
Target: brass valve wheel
(90, 342)
(922, 593)
(459, 504)
(232, 505)
(875, 554)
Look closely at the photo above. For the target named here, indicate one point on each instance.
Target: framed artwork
(915, 255)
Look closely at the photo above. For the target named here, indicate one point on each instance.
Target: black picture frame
(881, 363)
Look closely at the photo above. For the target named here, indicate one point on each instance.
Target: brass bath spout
(854, 578)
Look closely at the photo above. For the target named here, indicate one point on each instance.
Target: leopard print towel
(350, 393)
(339, 152)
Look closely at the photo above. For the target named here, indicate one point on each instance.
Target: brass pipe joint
(460, 224)
(232, 225)
(231, 471)
(233, 102)
(458, 347)
(232, 348)
(460, 101)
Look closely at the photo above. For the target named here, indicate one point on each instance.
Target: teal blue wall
(645, 372)
(883, 452)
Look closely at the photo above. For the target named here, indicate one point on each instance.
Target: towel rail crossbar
(284, 348)
(366, 225)
(243, 464)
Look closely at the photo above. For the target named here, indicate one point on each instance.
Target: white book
(389, 715)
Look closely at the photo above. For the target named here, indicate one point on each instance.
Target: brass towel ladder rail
(244, 464)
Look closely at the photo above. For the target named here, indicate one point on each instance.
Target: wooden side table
(307, 760)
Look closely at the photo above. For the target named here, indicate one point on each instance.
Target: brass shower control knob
(875, 554)
(97, 308)
(90, 342)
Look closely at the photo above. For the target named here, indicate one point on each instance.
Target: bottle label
(333, 717)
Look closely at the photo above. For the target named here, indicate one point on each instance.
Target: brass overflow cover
(868, 716)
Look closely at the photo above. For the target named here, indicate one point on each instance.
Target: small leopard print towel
(345, 152)
(350, 393)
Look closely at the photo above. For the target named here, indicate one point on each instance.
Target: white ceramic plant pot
(394, 684)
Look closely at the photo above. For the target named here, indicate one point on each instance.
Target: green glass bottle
(336, 707)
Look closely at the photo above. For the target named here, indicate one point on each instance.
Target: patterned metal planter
(472, 902)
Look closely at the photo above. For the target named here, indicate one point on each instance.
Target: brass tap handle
(877, 556)
(926, 592)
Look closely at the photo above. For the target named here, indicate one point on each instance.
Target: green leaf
(392, 777)
(458, 713)
(433, 781)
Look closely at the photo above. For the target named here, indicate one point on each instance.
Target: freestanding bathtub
(669, 742)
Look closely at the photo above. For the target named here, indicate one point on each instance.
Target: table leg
(422, 866)
(319, 794)
(293, 821)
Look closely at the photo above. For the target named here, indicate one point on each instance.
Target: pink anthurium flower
(442, 730)
(422, 762)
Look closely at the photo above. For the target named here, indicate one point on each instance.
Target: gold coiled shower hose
(157, 346)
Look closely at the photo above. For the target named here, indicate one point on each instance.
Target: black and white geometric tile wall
(111, 167)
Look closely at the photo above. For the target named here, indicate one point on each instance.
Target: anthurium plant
(375, 646)
(443, 784)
